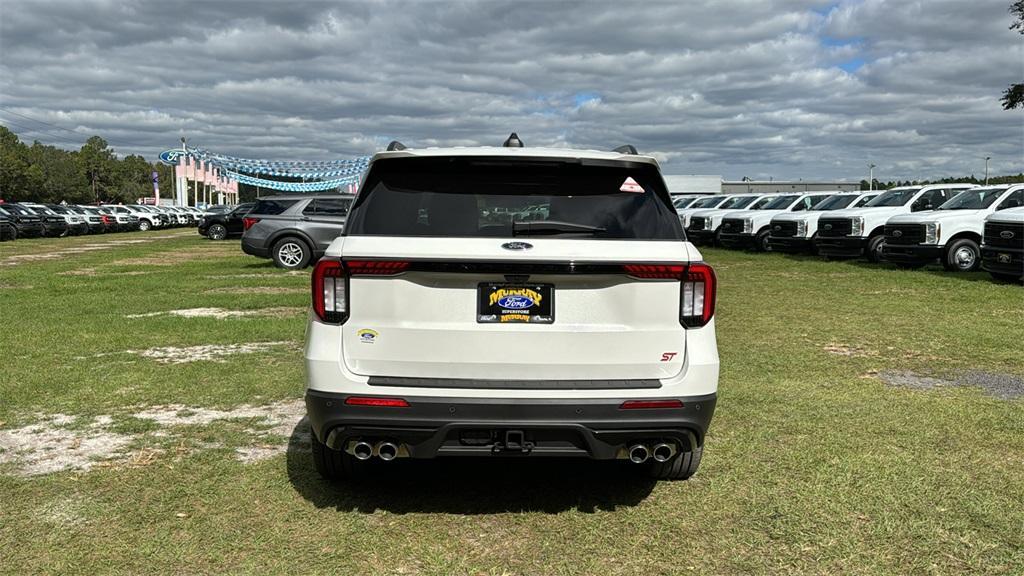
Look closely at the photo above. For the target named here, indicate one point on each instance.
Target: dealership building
(713, 184)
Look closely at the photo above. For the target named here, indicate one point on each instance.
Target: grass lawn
(814, 463)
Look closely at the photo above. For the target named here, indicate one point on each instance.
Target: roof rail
(626, 149)
(395, 145)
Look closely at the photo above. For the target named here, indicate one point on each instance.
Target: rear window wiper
(552, 228)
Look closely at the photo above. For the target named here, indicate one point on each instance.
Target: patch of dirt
(175, 257)
(257, 290)
(270, 274)
(49, 446)
(208, 352)
(79, 272)
(91, 247)
(1002, 386)
(847, 350)
(221, 313)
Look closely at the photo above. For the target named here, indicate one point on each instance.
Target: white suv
(952, 233)
(147, 220)
(444, 325)
(861, 231)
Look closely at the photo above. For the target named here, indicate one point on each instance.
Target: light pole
(987, 158)
(871, 177)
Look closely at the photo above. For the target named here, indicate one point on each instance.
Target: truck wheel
(217, 232)
(291, 253)
(144, 225)
(718, 238)
(681, 467)
(964, 255)
(761, 242)
(335, 465)
(873, 250)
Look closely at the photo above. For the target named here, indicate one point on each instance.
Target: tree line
(879, 185)
(93, 173)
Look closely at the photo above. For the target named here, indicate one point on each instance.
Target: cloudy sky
(759, 88)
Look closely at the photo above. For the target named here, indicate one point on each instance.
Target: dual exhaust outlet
(363, 450)
(661, 452)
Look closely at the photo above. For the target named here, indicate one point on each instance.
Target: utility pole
(987, 158)
(871, 177)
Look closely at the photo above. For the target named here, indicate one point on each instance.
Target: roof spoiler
(626, 149)
(395, 145)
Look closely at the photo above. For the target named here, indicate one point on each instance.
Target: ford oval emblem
(777, 227)
(1006, 234)
(828, 226)
(515, 302)
(897, 233)
(517, 245)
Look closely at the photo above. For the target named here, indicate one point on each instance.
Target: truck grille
(1004, 235)
(696, 223)
(732, 226)
(904, 233)
(835, 227)
(783, 229)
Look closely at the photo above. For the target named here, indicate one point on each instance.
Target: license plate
(1003, 258)
(515, 303)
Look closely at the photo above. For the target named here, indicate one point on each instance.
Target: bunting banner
(292, 186)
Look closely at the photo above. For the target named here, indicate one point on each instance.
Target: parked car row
(35, 220)
(962, 226)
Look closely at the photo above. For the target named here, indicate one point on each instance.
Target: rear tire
(335, 465)
(681, 467)
(964, 255)
(873, 250)
(217, 232)
(291, 253)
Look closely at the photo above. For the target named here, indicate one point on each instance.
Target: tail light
(248, 222)
(330, 284)
(330, 292)
(696, 292)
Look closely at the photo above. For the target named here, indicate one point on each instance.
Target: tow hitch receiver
(514, 441)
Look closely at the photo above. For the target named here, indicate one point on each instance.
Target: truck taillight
(248, 222)
(697, 305)
(330, 292)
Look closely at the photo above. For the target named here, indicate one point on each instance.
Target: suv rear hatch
(479, 268)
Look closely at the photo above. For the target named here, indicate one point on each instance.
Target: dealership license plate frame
(488, 312)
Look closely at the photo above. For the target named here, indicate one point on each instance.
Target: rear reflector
(376, 402)
(248, 222)
(644, 404)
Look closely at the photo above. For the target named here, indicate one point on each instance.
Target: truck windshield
(894, 197)
(709, 202)
(781, 203)
(738, 202)
(837, 202)
(975, 199)
(495, 197)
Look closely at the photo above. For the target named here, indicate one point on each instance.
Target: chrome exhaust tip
(362, 450)
(663, 452)
(638, 453)
(387, 451)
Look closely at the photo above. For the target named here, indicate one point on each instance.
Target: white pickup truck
(703, 226)
(1002, 249)
(861, 231)
(750, 229)
(952, 233)
(797, 232)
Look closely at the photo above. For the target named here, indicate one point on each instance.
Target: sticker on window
(630, 185)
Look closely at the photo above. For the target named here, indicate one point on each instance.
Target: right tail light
(696, 291)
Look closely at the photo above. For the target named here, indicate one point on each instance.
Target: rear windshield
(486, 197)
(273, 207)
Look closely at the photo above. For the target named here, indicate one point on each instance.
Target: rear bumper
(910, 254)
(1003, 260)
(790, 244)
(849, 246)
(464, 426)
(253, 249)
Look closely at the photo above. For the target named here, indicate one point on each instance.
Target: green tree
(97, 162)
(1013, 97)
(14, 179)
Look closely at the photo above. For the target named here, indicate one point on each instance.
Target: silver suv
(294, 231)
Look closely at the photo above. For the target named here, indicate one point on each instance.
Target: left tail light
(248, 222)
(330, 292)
